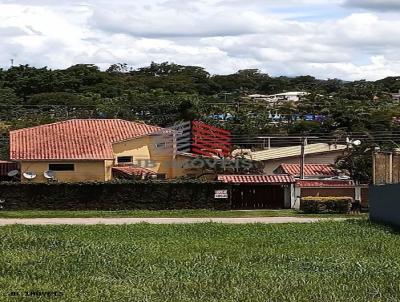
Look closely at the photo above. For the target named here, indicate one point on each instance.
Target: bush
(315, 205)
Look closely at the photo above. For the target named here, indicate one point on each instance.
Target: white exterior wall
(289, 193)
(296, 197)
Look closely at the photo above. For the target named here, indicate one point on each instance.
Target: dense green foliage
(164, 94)
(316, 205)
(330, 261)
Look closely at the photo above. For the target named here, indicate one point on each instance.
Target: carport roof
(133, 171)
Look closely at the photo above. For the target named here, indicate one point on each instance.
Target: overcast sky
(348, 39)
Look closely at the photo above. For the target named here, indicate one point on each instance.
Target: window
(125, 159)
(61, 167)
(162, 145)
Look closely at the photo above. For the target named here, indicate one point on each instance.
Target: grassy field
(327, 261)
(172, 214)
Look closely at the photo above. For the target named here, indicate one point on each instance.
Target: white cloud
(380, 5)
(222, 36)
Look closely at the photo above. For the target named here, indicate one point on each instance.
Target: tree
(358, 162)
(118, 68)
(25, 80)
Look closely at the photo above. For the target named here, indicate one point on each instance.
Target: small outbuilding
(260, 191)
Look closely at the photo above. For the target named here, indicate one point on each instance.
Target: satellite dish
(29, 175)
(49, 174)
(356, 142)
(13, 173)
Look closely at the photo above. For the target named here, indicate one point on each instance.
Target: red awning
(133, 171)
(256, 179)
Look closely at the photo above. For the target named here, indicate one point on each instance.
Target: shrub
(119, 195)
(317, 205)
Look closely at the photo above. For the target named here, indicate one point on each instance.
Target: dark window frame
(58, 167)
(162, 176)
(161, 145)
(130, 161)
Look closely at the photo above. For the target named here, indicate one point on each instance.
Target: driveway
(119, 221)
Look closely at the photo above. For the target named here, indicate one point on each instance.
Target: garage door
(246, 197)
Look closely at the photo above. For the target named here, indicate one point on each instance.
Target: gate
(248, 197)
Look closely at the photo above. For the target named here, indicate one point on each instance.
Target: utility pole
(303, 156)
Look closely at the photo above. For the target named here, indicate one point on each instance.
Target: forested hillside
(164, 94)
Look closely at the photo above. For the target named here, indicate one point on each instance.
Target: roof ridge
(40, 126)
(79, 119)
(284, 164)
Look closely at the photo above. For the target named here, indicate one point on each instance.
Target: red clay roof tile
(309, 169)
(79, 139)
(257, 179)
(133, 171)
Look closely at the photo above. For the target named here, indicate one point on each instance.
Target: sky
(346, 39)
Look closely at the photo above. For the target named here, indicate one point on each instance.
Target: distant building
(293, 96)
(396, 96)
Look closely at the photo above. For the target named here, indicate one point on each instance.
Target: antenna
(29, 175)
(49, 174)
(13, 173)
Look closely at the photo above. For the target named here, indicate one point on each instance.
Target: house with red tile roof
(284, 188)
(94, 150)
(314, 171)
(322, 180)
(319, 153)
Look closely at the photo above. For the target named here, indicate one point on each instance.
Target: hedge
(155, 195)
(315, 205)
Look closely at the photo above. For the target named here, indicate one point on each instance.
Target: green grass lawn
(328, 261)
(171, 213)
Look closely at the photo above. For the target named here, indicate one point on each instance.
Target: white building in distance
(293, 96)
